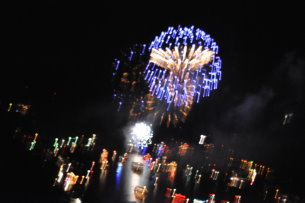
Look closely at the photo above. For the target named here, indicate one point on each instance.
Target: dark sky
(68, 48)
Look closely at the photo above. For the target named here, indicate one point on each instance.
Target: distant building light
(287, 118)
(202, 138)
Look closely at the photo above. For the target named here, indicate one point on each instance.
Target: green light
(56, 146)
(32, 145)
(75, 140)
(56, 140)
(89, 142)
(69, 140)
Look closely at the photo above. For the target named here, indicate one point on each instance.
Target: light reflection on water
(118, 175)
(155, 191)
(124, 181)
(87, 183)
(119, 186)
(102, 179)
(133, 179)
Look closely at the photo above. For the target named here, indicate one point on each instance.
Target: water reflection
(128, 177)
(102, 179)
(87, 183)
(134, 178)
(172, 169)
(118, 175)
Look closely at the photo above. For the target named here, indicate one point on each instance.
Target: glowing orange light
(36, 135)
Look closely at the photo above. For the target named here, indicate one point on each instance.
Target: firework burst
(180, 67)
(183, 67)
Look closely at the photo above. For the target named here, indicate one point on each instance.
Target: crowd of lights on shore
(75, 175)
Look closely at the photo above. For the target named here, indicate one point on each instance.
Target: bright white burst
(141, 134)
(183, 60)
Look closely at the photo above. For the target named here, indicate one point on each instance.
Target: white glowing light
(88, 173)
(60, 175)
(77, 200)
(69, 165)
(141, 134)
(202, 138)
(67, 184)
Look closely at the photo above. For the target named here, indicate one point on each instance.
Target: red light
(167, 193)
(179, 198)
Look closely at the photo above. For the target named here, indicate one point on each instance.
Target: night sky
(62, 54)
